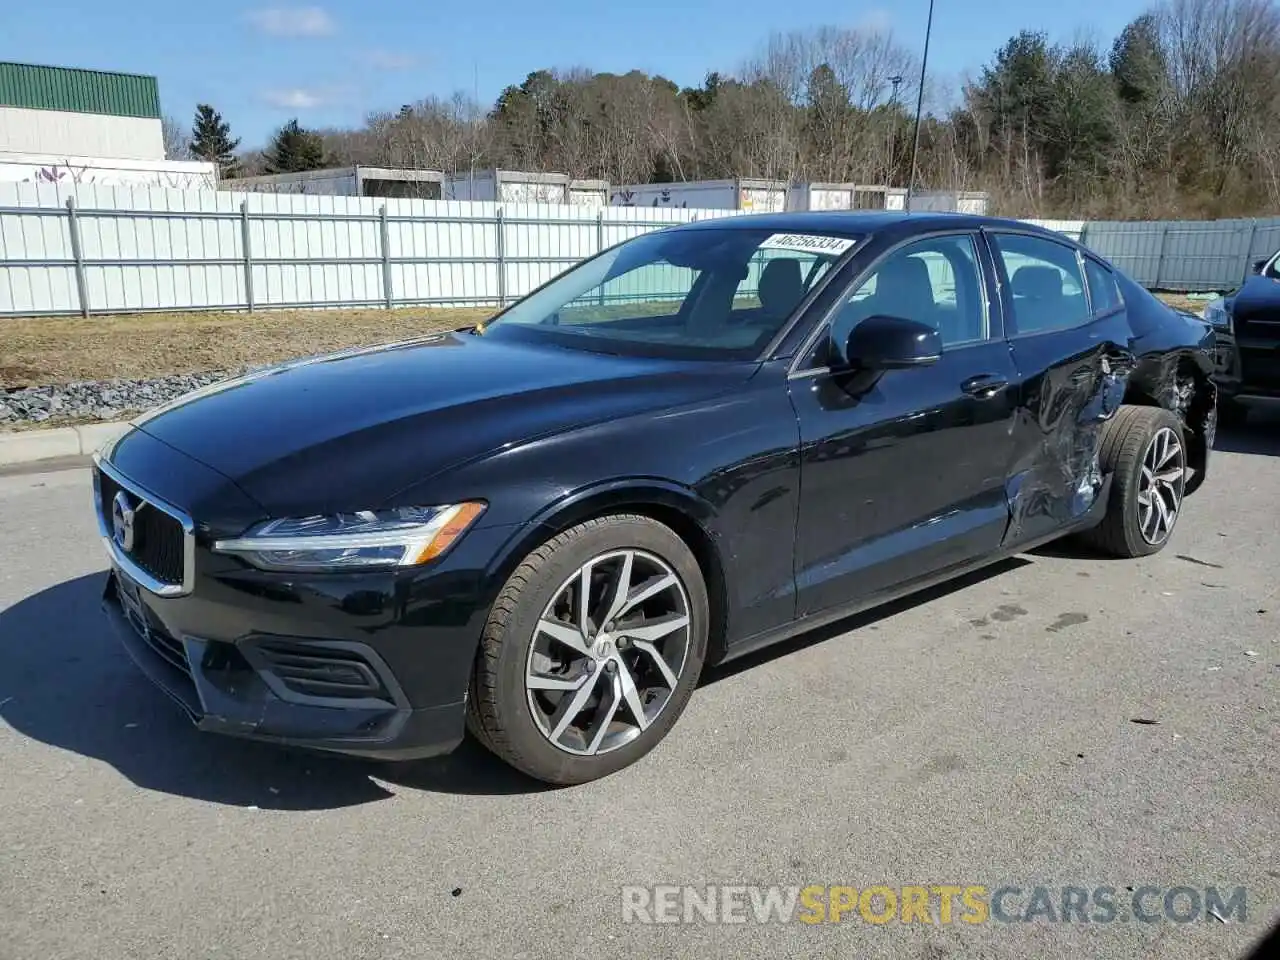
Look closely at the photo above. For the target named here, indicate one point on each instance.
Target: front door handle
(984, 386)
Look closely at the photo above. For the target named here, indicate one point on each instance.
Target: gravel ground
(96, 400)
(981, 734)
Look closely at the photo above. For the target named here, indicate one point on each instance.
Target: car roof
(863, 222)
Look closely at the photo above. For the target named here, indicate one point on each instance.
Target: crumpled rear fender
(1056, 476)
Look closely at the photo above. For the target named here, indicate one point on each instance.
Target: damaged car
(696, 443)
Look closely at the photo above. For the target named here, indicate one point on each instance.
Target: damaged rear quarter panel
(1073, 382)
(1176, 358)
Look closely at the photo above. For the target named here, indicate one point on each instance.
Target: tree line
(1178, 116)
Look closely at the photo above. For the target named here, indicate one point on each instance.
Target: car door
(1070, 346)
(904, 476)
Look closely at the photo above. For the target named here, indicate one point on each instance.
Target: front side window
(721, 293)
(1045, 282)
(1271, 269)
(936, 281)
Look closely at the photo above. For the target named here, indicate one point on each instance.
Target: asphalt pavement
(982, 735)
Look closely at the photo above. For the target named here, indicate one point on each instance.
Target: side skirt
(824, 617)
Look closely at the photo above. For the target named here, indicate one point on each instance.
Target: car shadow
(1259, 435)
(858, 621)
(1074, 547)
(65, 681)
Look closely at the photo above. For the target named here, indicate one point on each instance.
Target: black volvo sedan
(696, 443)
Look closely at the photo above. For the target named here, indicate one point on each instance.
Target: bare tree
(176, 136)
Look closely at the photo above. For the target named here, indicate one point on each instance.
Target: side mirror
(892, 343)
(1260, 265)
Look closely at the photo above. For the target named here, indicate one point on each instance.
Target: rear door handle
(984, 386)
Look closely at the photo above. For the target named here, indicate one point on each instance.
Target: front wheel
(1143, 448)
(591, 650)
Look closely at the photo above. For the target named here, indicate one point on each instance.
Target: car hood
(350, 430)
(1257, 295)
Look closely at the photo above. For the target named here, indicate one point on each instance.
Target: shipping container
(757, 196)
(345, 182)
(107, 171)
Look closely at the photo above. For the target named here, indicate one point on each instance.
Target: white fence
(87, 250)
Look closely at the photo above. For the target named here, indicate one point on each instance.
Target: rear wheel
(591, 651)
(1144, 449)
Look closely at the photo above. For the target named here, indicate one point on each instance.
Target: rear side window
(1103, 292)
(1045, 281)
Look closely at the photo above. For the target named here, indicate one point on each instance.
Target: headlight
(404, 537)
(1215, 313)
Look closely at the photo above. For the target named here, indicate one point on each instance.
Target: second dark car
(1247, 324)
(699, 442)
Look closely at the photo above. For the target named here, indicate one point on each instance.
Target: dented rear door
(1073, 364)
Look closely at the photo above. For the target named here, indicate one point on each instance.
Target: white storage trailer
(345, 182)
(589, 193)
(513, 186)
(950, 201)
(759, 196)
(845, 196)
(107, 171)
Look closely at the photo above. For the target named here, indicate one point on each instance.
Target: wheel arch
(1186, 389)
(689, 516)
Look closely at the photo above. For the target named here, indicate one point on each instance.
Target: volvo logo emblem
(122, 521)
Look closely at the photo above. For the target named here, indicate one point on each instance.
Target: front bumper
(228, 688)
(1246, 367)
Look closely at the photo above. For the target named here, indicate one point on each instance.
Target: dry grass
(40, 351)
(1180, 302)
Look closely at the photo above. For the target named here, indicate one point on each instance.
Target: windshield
(721, 293)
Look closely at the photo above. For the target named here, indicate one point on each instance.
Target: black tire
(1232, 413)
(1126, 441)
(498, 708)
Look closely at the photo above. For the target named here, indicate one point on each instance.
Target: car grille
(159, 539)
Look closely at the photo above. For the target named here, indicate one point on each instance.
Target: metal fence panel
(83, 249)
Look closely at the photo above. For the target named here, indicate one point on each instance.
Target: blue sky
(330, 63)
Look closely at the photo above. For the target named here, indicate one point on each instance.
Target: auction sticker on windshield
(808, 242)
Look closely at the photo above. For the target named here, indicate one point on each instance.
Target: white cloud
(295, 99)
(390, 60)
(293, 21)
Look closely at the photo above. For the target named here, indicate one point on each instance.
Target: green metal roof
(78, 91)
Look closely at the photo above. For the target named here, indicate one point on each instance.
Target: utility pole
(924, 65)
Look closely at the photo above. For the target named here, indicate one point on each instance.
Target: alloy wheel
(608, 652)
(1160, 486)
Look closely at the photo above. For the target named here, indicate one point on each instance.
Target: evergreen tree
(294, 149)
(211, 140)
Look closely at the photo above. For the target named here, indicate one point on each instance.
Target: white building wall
(80, 134)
